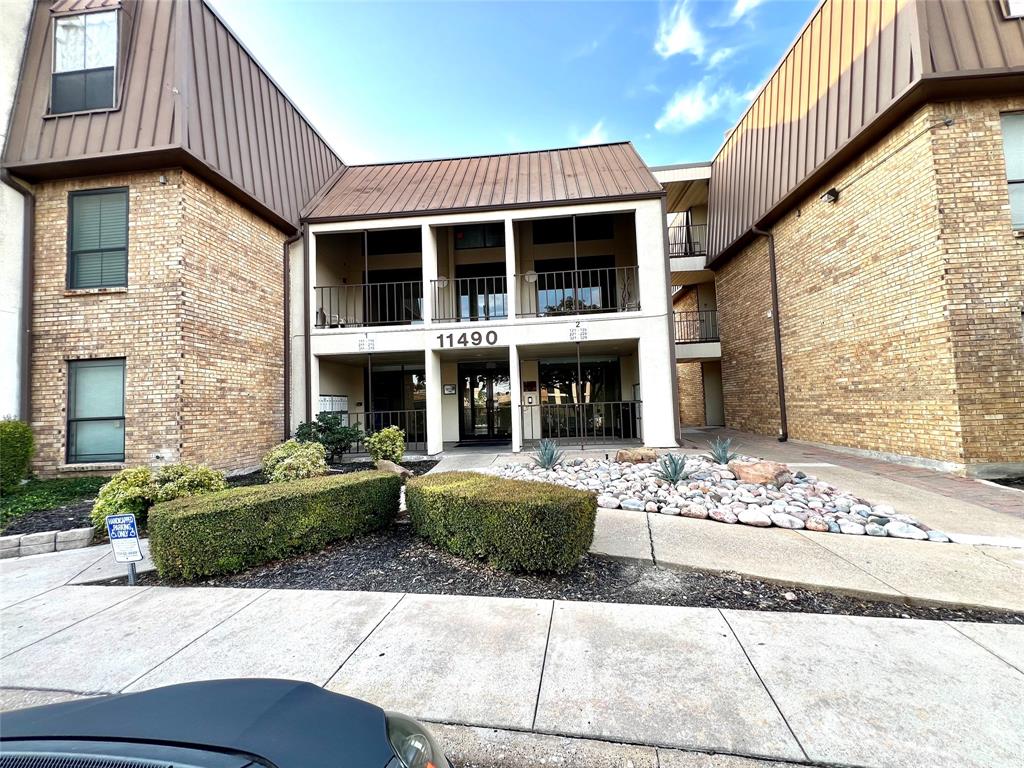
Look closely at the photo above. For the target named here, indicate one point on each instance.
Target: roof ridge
(495, 154)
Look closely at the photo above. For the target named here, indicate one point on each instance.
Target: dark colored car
(217, 724)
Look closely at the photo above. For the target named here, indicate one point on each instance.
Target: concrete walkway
(805, 688)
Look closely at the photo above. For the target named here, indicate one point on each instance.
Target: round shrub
(515, 525)
(240, 528)
(130, 491)
(177, 480)
(292, 460)
(15, 453)
(387, 444)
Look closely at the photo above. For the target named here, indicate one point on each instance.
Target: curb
(25, 544)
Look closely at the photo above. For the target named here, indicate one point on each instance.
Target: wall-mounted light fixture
(831, 196)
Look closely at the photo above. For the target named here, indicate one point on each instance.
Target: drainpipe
(25, 329)
(773, 276)
(288, 333)
(305, 322)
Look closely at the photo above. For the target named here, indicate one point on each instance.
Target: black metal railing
(571, 423)
(342, 306)
(688, 240)
(412, 422)
(574, 292)
(470, 298)
(696, 326)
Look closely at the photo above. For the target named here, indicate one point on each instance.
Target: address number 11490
(474, 339)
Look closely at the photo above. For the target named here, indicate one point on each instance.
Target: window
(594, 227)
(480, 236)
(98, 239)
(1014, 9)
(1013, 149)
(84, 61)
(95, 411)
(386, 241)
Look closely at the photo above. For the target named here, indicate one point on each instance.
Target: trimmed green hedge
(15, 453)
(516, 525)
(239, 528)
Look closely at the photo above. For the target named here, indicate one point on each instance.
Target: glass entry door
(485, 401)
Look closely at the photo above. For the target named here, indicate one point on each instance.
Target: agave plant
(671, 468)
(548, 456)
(720, 450)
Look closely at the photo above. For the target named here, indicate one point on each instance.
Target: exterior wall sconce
(442, 281)
(831, 195)
(530, 277)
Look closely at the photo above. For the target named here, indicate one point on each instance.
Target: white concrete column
(511, 286)
(314, 385)
(435, 437)
(429, 259)
(515, 382)
(657, 387)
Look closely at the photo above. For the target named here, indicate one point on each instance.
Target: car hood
(284, 722)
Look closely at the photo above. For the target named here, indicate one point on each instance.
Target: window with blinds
(95, 410)
(84, 62)
(98, 239)
(1013, 149)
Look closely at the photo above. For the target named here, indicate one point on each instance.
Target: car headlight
(413, 743)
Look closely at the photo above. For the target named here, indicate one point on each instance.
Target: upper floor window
(84, 61)
(480, 236)
(1014, 9)
(98, 239)
(591, 227)
(1013, 149)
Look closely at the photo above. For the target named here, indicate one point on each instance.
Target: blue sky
(398, 81)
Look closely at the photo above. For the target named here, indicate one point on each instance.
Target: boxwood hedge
(239, 528)
(516, 525)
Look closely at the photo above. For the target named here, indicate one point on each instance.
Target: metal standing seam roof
(486, 182)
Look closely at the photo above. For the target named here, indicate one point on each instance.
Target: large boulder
(762, 472)
(389, 466)
(636, 456)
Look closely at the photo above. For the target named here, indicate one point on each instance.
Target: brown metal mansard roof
(486, 182)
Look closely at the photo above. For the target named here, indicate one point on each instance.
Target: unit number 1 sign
(474, 339)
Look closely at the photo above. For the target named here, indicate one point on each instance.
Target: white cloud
(719, 56)
(596, 135)
(741, 8)
(677, 33)
(697, 104)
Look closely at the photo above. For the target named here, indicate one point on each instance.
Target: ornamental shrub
(239, 528)
(130, 491)
(516, 525)
(387, 444)
(329, 430)
(15, 453)
(292, 460)
(177, 480)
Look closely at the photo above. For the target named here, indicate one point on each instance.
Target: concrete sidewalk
(793, 687)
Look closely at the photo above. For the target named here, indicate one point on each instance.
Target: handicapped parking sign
(124, 538)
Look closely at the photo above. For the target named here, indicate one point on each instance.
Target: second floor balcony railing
(696, 326)
(687, 240)
(345, 306)
(470, 298)
(574, 292)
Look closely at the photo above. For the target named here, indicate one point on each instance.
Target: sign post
(124, 541)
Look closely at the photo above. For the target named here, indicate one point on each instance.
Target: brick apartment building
(190, 270)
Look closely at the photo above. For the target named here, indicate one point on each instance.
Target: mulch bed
(1012, 482)
(396, 560)
(59, 519)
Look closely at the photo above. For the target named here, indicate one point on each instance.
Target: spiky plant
(671, 468)
(720, 450)
(548, 456)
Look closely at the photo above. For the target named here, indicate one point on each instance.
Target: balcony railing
(696, 326)
(610, 289)
(470, 298)
(582, 423)
(412, 422)
(687, 240)
(344, 306)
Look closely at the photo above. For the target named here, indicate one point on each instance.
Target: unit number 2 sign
(474, 339)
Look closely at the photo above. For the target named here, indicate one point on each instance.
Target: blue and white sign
(124, 538)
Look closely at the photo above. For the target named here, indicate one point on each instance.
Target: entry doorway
(485, 400)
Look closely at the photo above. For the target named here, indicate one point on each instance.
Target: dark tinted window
(387, 241)
(548, 231)
(480, 236)
(84, 59)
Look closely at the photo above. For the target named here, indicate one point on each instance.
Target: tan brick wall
(887, 299)
(189, 248)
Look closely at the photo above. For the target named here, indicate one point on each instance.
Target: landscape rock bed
(726, 494)
(396, 560)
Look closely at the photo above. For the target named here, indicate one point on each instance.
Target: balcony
(367, 304)
(696, 327)
(581, 291)
(687, 240)
(468, 299)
